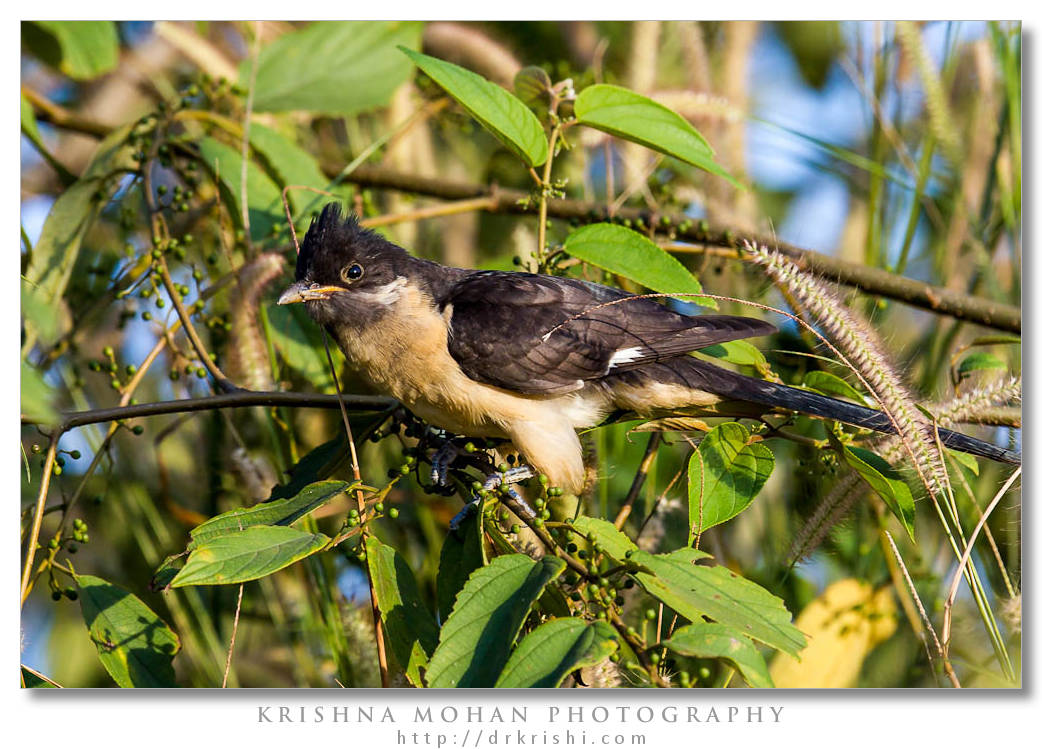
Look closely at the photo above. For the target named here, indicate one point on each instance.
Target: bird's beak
(302, 291)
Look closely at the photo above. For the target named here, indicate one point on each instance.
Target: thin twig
(381, 653)
(434, 211)
(638, 480)
(221, 380)
(41, 501)
(231, 644)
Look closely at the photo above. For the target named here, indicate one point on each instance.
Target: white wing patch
(625, 356)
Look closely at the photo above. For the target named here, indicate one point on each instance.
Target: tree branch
(235, 399)
(936, 299)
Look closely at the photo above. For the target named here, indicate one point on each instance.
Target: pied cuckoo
(531, 358)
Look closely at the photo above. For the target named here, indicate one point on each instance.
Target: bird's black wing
(540, 334)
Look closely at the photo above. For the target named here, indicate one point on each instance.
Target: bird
(530, 358)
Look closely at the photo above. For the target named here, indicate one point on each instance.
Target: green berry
(56, 595)
(392, 513)
(107, 351)
(75, 454)
(138, 429)
(650, 614)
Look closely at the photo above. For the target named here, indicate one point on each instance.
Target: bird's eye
(351, 273)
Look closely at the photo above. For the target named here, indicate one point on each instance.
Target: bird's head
(346, 274)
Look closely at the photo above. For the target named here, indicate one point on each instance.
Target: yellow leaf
(842, 626)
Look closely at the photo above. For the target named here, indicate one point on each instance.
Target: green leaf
(711, 640)
(615, 543)
(498, 110)
(88, 48)
(318, 464)
(29, 126)
(827, 383)
(885, 482)
(461, 554)
(554, 649)
(479, 633)
(166, 572)
(411, 630)
(264, 199)
(628, 115)
(725, 474)
(32, 132)
(134, 645)
(37, 397)
(964, 459)
(71, 216)
(741, 353)
(628, 253)
(299, 342)
(292, 165)
(39, 315)
(977, 362)
(532, 84)
(277, 512)
(694, 591)
(333, 67)
(252, 553)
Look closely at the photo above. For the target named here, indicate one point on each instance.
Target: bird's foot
(440, 462)
(472, 506)
(502, 481)
(510, 476)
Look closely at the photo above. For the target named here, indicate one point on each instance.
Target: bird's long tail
(703, 376)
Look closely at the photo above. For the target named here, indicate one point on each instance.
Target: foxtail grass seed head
(861, 346)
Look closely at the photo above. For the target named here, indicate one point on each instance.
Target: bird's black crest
(329, 231)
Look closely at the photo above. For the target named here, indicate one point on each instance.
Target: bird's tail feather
(703, 376)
